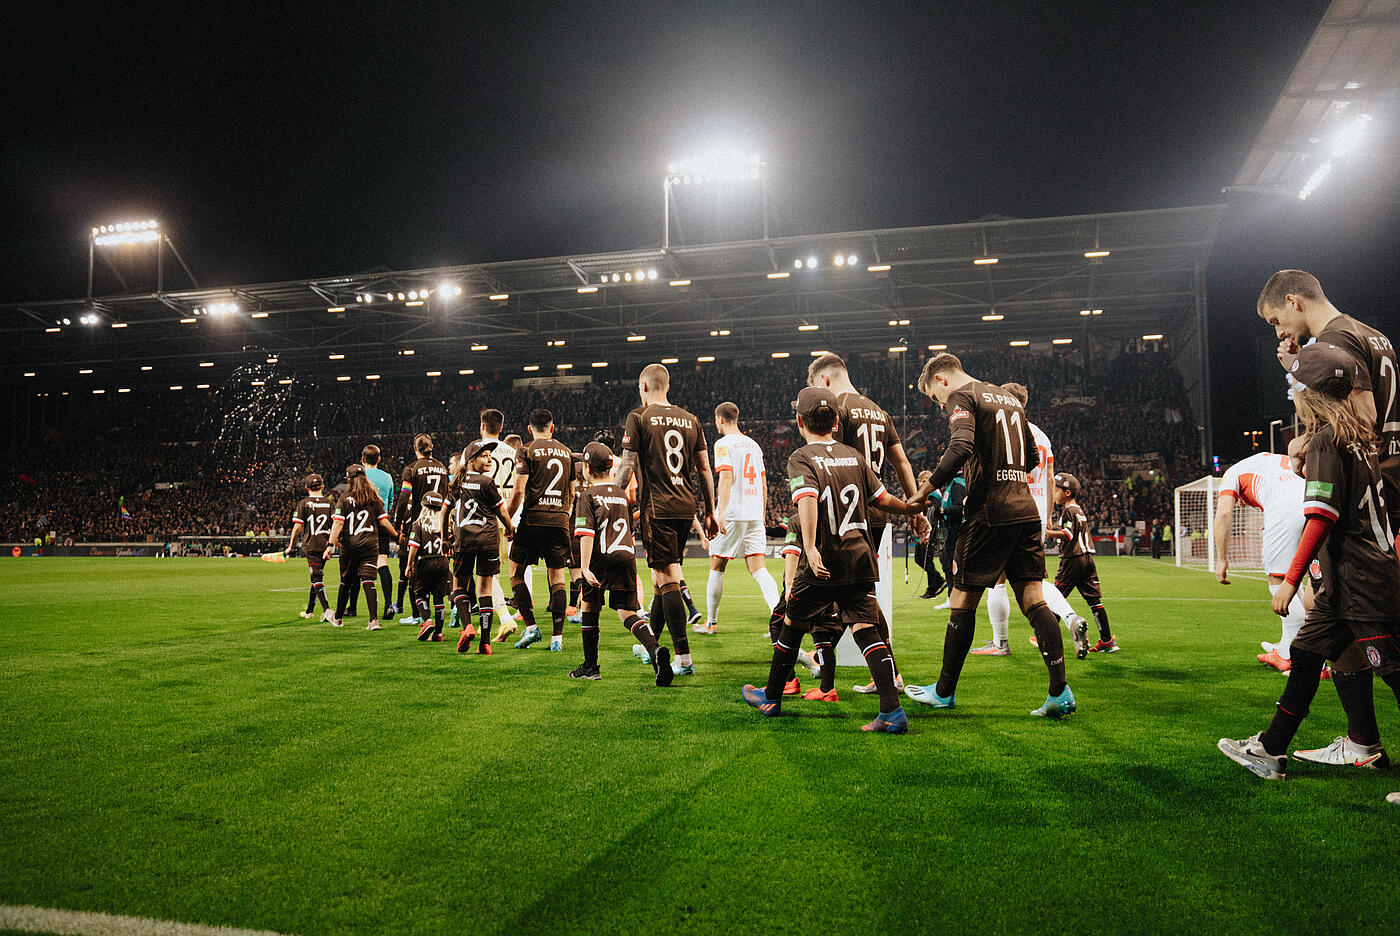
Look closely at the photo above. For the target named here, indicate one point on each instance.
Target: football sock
(956, 644)
(999, 610)
(673, 607)
(714, 590)
(767, 586)
(775, 628)
(784, 654)
(689, 602)
(321, 595)
(657, 613)
(488, 611)
(523, 605)
(311, 599)
(420, 608)
(1292, 622)
(1057, 602)
(883, 626)
(342, 595)
(590, 638)
(644, 634)
(1355, 692)
(386, 581)
(1292, 707)
(877, 657)
(371, 599)
(574, 587)
(437, 617)
(463, 604)
(1052, 644)
(403, 587)
(1101, 618)
(558, 604)
(826, 656)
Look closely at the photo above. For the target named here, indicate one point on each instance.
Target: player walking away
(1267, 482)
(358, 515)
(423, 474)
(502, 473)
(998, 604)
(832, 485)
(1077, 567)
(741, 506)
(992, 443)
(825, 634)
(663, 444)
(543, 470)
(476, 547)
(1293, 303)
(863, 425)
(1348, 530)
(312, 518)
(608, 559)
(428, 567)
(383, 483)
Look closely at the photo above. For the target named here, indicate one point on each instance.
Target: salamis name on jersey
(548, 465)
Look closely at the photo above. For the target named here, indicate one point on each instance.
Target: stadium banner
(1129, 464)
(562, 382)
(1075, 402)
(147, 550)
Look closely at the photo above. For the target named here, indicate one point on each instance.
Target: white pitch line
(302, 589)
(77, 923)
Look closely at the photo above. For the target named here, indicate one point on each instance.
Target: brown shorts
(811, 604)
(477, 562)
(1081, 573)
(1350, 642)
(664, 538)
(983, 553)
(358, 567)
(533, 543)
(431, 576)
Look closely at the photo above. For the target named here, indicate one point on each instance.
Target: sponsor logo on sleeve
(958, 413)
(1318, 489)
(795, 483)
(579, 523)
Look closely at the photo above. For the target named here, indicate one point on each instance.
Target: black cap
(314, 481)
(354, 471)
(477, 447)
(1325, 368)
(598, 457)
(1067, 481)
(810, 399)
(433, 501)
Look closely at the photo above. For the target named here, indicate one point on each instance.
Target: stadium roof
(1333, 130)
(746, 299)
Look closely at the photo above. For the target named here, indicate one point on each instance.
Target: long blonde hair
(1349, 429)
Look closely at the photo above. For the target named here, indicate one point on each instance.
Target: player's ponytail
(430, 519)
(1349, 428)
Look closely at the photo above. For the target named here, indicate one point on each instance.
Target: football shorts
(983, 553)
(740, 538)
(811, 604)
(1349, 643)
(1079, 572)
(384, 541)
(358, 567)
(665, 541)
(534, 543)
(431, 576)
(479, 562)
(616, 578)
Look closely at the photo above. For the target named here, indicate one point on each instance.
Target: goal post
(1194, 534)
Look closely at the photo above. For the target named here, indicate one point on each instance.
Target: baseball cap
(810, 399)
(433, 500)
(598, 457)
(477, 447)
(314, 481)
(354, 471)
(1325, 368)
(1067, 481)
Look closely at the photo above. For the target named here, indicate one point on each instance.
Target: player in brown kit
(312, 518)
(423, 474)
(991, 442)
(476, 548)
(1077, 566)
(832, 486)
(543, 471)
(863, 425)
(358, 514)
(663, 445)
(427, 565)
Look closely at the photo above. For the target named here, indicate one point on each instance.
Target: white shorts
(740, 538)
(1280, 542)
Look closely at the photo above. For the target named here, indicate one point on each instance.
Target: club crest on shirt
(1373, 656)
(958, 413)
(1315, 570)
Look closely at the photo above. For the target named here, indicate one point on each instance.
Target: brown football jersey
(605, 513)
(426, 534)
(420, 477)
(549, 465)
(864, 426)
(1076, 524)
(668, 442)
(314, 515)
(474, 514)
(844, 485)
(360, 533)
(1003, 453)
(1373, 351)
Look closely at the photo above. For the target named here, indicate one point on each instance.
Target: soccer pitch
(178, 744)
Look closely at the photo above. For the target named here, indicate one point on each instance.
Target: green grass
(177, 743)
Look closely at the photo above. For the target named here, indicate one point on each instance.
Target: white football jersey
(503, 468)
(741, 455)
(1265, 481)
(1040, 479)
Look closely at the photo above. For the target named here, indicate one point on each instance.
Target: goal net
(1194, 534)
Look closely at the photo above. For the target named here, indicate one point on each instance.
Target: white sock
(1292, 622)
(764, 578)
(999, 610)
(683, 659)
(714, 590)
(1057, 603)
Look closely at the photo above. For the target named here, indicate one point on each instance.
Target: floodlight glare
(1349, 137)
(797, 264)
(1020, 343)
(53, 329)
(839, 260)
(938, 347)
(851, 260)
(1314, 181)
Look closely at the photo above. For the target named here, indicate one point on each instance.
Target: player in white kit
(1267, 482)
(741, 505)
(503, 474)
(998, 602)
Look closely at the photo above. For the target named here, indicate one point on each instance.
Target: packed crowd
(229, 462)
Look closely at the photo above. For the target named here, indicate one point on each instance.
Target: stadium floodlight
(532, 367)
(554, 343)
(797, 264)
(272, 359)
(670, 360)
(1019, 343)
(819, 352)
(808, 327)
(146, 367)
(123, 389)
(335, 357)
(993, 317)
(779, 354)
(564, 366)
(258, 315)
(898, 349)
(680, 282)
(466, 371)
(177, 387)
(432, 373)
(1096, 311)
(1095, 254)
(413, 303)
(1061, 341)
(1151, 337)
(30, 373)
(783, 275)
(894, 322)
(1348, 138)
(371, 376)
(335, 309)
(985, 261)
(839, 260)
(343, 377)
(1314, 180)
(878, 268)
(499, 297)
(119, 324)
(478, 347)
(206, 363)
(85, 370)
(53, 329)
(188, 321)
(67, 321)
(98, 392)
(258, 383)
(407, 352)
(600, 364)
(584, 290)
(705, 359)
(636, 337)
(938, 347)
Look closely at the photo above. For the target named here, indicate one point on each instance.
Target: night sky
(283, 145)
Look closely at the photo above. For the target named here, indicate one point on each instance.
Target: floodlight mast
(719, 167)
(134, 232)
